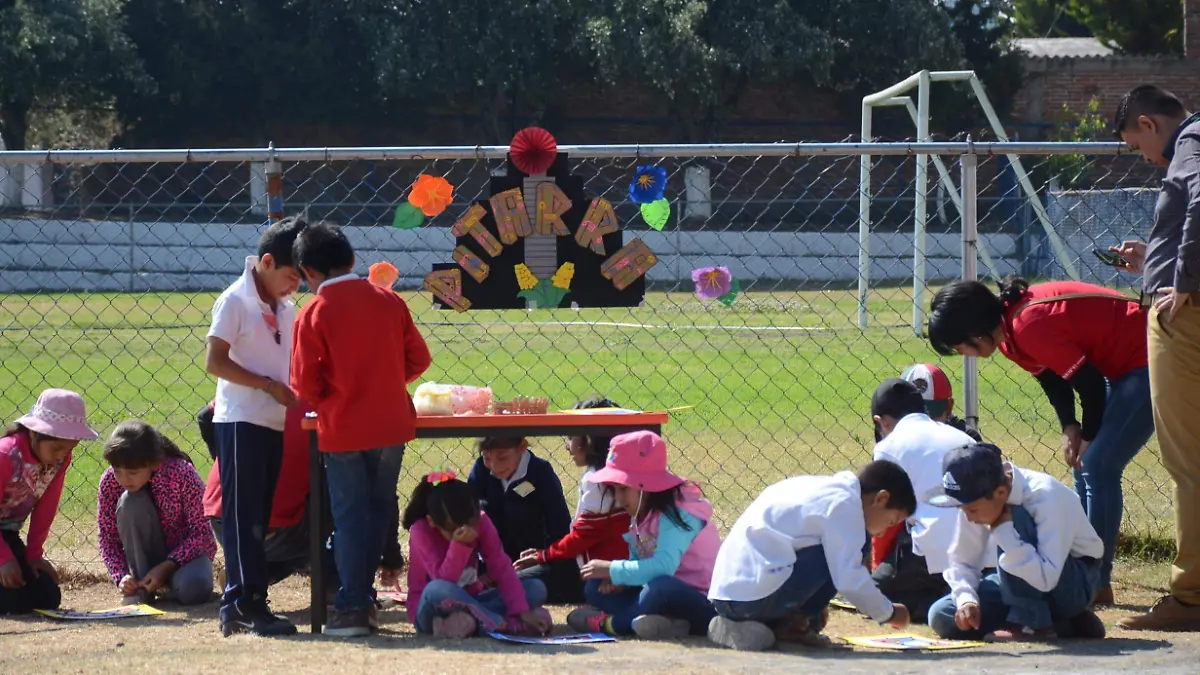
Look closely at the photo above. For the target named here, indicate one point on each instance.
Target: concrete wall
(60, 255)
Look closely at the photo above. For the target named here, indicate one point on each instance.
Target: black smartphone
(1109, 258)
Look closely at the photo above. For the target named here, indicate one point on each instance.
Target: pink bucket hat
(61, 414)
(637, 460)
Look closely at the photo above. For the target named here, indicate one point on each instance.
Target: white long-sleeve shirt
(759, 554)
(1062, 530)
(919, 444)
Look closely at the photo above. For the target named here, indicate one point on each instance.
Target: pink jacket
(27, 490)
(696, 566)
(178, 495)
(431, 557)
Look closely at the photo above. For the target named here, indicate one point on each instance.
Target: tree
(984, 30)
(73, 53)
(1046, 18)
(1141, 27)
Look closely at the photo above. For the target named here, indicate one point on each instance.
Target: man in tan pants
(1155, 123)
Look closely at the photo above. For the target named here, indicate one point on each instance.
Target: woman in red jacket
(596, 532)
(1075, 338)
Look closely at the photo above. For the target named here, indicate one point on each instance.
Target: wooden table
(468, 426)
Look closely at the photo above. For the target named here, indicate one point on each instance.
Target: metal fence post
(274, 173)
(970, 234)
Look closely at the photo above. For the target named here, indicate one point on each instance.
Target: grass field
(780, 383)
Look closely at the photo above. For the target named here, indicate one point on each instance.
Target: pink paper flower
(712, 282)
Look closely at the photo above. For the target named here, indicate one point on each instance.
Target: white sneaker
(658, 627)
(746, 636)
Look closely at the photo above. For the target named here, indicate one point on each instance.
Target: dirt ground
(187, 641)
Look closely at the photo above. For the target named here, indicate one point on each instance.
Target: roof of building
(1063, 48)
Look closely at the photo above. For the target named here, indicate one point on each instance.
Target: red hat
(533, 150)
(933, 384)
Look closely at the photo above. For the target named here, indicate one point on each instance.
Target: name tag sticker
(524, 489)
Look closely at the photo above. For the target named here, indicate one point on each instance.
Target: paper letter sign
(471, 263)
(470, 223)
(551, 204)
(626, 265)
(512, 221)
(599, 220)
(447, 286)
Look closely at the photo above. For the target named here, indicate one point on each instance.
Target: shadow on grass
(1108, 647)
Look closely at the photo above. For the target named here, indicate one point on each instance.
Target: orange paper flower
(383, 275)
(431, 194)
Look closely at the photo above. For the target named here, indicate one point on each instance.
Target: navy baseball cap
(968, 473)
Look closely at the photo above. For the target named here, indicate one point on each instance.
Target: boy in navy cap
(1049, 567)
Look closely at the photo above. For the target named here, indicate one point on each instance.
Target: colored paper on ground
(842, 604)
(909, 643)
(394, 597)
(578, 639)
(101, 614)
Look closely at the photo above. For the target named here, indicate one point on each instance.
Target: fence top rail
(418, 153)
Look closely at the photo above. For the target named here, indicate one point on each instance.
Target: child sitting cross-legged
(800, 543)
(448, 534)
(659, 592)
(1050, 555)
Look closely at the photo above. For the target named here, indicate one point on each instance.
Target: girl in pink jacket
(154, 537)
(35, 452)
(448, 536)
(661, 592)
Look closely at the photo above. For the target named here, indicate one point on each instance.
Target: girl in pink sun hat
(661, 591)
(35, 452)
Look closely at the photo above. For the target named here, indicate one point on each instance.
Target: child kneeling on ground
(1050, 556)
(153, 533)
(660, 591)
(448, 534)
(800, 543)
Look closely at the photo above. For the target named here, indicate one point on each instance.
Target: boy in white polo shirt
(1049, 567)
(800, 543)
(249, 351)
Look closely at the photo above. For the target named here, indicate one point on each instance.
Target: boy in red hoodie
(356, 349)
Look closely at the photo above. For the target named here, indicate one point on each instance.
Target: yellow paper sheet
(909, 643)
(842, 604)
(102, 614)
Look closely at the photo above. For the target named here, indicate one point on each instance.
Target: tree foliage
(72, 53)
(1135, 26)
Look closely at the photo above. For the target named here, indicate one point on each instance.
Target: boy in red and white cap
(938, 394)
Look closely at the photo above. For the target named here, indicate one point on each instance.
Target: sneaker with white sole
(351, 624)
(746, 636)
(659, 627)
(587, 619)
(457, 626)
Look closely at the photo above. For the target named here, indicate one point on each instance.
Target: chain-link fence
(110, 262)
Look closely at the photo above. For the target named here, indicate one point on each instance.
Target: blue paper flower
(649, 184)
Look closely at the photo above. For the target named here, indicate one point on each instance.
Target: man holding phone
(1155, 123)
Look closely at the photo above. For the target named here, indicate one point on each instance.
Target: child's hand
(595, 569)
(900, 617)
(388, 577)
(43, 566)
(282, 394)
(465, 535)
(537, 620)
(609, 588)
(968, 617)
(529, 558)
(10, 575)
(158, 576)
(128, 585)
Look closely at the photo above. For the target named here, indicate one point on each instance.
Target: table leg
(316, 532)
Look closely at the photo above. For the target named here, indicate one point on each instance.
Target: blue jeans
(1127, 426)
(1004, 598)
(667, 596)
(443, 598)
(808, 589)
(361, 485)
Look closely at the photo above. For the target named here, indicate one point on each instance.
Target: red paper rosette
(533, 150)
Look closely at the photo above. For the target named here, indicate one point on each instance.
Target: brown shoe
(1104, 597)
(797, 628)
(1168, 614)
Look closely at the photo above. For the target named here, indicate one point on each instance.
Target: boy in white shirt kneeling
(800, 543)
(1049, 566)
